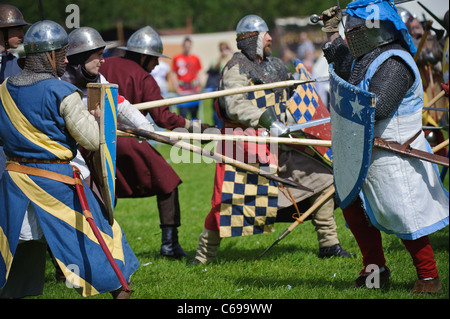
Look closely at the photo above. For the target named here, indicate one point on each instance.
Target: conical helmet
(145, 41)
(84, 39)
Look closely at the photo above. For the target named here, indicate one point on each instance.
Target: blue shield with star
(352, 113)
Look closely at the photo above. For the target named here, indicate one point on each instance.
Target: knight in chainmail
(42, 122)
(39, 66)
(85, 56)
(254, 65)
(397, 196)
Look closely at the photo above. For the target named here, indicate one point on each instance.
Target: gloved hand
(278, 129)
(197, 127)
(445, 88)
(331, 19)
(270, 121)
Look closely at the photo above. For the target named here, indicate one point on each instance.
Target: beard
(267, 51)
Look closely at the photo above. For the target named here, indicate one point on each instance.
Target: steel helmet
(84, 39)
(251, 23)
(45, 36)
(10, 16)
(405, 15)
(145, 41)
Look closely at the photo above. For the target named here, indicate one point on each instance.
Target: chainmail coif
(37, 68)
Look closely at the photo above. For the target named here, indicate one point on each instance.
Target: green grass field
(290, 270)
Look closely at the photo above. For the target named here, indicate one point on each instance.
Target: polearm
(316, 18)
(378, 143)
(300, 220)
(255, 139)
(244, 138)
(216, 156)
(423, 39)
(221, 93)
(321, 200)
(90, 219)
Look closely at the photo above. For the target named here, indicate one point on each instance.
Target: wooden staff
(319, 202)
(216, 94)
(435, 99)
(423, 39)
(440, 146)
(90, 219)
(238, 138)
(218, 157)
(300, 220)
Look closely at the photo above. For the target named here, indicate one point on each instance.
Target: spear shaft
(221, 93)
(216, 156)
(300, 220)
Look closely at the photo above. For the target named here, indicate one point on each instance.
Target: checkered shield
(306, 105)
(249, 203)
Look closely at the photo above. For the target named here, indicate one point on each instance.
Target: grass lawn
(290, 270)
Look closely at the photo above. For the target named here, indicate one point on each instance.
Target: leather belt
(406, 150)
(14, 167)
(36, 160)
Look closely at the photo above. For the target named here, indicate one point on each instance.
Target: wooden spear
(218, 157)
(319, 202)
(238, 138)
(311, 210)
(216, 94)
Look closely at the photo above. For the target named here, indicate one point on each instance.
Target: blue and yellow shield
(104, 97)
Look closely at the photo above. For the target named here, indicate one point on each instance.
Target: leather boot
(208, 245)
(170, 246)
(384, 280)
(427, 286)
(121, 293)
(334, 251)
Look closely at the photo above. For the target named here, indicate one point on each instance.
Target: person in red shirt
(185, 77)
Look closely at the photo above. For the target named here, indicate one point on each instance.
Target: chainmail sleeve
(390, 83)
(338, 52)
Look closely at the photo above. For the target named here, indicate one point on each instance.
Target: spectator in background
(214, 72)
(161, 74)
(186, 79)
(306, 51)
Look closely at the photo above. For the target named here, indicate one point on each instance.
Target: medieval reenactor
(141, 170)
(400, 195)
(85, 56)
(11, 35)
(244, 203)
(43, 201)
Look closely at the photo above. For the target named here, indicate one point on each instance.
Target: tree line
(207, 15)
